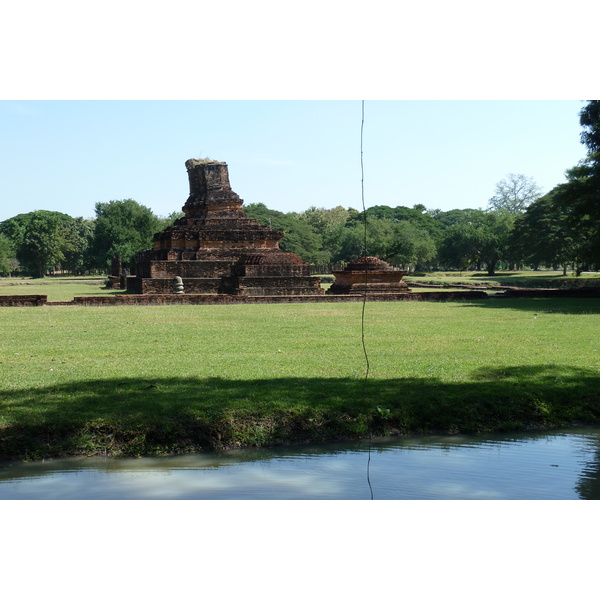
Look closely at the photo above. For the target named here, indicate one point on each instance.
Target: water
(558, 465)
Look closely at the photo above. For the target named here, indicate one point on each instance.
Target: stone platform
(162, 299)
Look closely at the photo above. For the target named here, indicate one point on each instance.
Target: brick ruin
(369, 274)
(216, 249)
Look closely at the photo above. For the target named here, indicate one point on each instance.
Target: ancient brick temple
(371, 275)
(216, 249)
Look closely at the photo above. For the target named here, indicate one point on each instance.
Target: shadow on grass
(139, 416)
(566, 306)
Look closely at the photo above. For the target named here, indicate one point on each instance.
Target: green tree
(79, 237)
(298, 235)
(400, 243)
(589, 119)
(7, 255)
(414, 247)
(480, 238)
(515, 193)
(42, 244)
(380, 240)
(418, 215)
(580, 195)
(14, 228)
(123, 227)
(543, 236)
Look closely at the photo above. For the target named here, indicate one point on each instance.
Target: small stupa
(369, 274)
(216, 249)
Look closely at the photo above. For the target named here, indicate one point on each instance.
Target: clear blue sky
(69, 155)
(107, 102)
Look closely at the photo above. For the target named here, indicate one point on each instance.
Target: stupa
(216, 249)
(369, 274)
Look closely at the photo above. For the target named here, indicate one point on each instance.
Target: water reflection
(558, 465)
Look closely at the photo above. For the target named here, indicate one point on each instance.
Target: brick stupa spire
(216, 249)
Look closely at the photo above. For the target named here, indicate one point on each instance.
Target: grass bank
(138, 380)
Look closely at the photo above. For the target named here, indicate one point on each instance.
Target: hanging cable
(364, 302)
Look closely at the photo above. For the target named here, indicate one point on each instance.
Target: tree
(298, 235)
(7, 254)
(414, 247)
(79, 237)
(589, 119)
(123, 227)
(481, 237)
(543, 236)
(42, 244)
(418, 215)
(515, 193)
(580, 195)
(457, 249)
(380, 240)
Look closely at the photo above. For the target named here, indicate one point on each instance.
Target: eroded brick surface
(216, 249)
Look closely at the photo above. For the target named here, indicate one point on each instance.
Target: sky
(101, 103)
(67, 156)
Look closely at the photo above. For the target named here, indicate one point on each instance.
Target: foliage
(543, 235)
(68, 248)
(457, 249)
(515, 193)
(580, 195)
(170, 219)
(418, 216)
(79, 237)
(6, 254)
(589, 119)
(42, 243)
(299, 237)
(123, 227)
(480, 237)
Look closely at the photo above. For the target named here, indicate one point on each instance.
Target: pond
(555, 465)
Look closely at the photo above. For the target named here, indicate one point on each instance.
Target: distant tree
(515, 193)
(399, 243)
(445, 219)
(123, 227)
(544, 236)
(6, 255)
(170, 219)
(298, 235)
(418, 215)
(457, 249)
(14, 227)
(325, 220)
(480, 238)
(379, 241)
(42, 243)
(328, 223)
(414, 247)
(79, 237)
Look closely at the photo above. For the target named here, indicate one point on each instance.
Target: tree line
(43, 241)
(519, 228)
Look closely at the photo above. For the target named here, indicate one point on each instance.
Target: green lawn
(144, 379)
(58, 289)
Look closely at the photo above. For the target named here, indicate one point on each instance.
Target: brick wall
(23, 300)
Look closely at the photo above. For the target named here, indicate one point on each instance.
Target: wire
(364, 303)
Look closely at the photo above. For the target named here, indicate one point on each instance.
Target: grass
(58, 289)
(154, 379)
